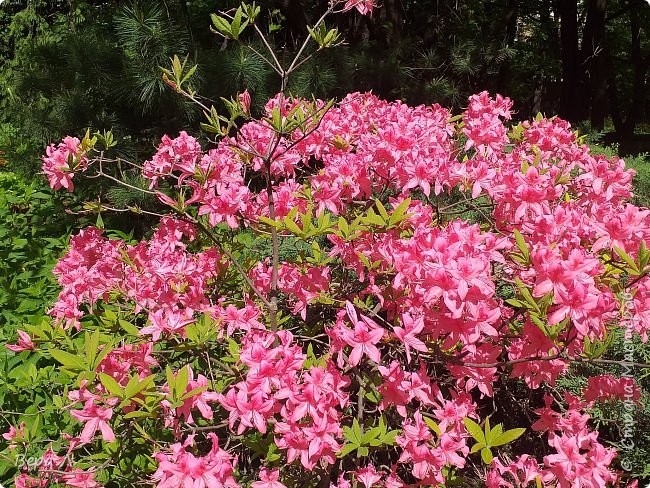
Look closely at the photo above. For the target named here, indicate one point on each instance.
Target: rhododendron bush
(345, 294)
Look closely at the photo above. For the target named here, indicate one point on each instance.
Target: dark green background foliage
(66, 65)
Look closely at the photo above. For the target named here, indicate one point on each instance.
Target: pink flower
(408, 334)
(245, 102)
(363, 6)
(363, 338)
(199, 400)
(268, 479)
(251, 408)
(14, 433)
(80, 479)
(605, 387)
(61, 161)
(24, 343)
(368, 476)
(180, 468)
(96, 418)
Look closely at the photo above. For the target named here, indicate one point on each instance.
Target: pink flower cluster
(54, 469)
(181, 468)
(305, 285)
(308, 401)
(579, 458)
(159, 276)
(414, 309)
(606, 387)
(61, 161)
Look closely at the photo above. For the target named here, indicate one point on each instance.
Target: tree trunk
(614, 105)
(640, 69)
(625, 126)
(593, 62)
(568, 10)
(510, 18)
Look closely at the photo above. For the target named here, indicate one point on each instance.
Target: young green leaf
(486, 455)
(69, 361)
(474, 429)
(508, 436)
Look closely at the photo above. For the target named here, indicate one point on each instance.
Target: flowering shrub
(440, 261)
(342, 295)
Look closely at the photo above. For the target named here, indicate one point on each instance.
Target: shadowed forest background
(72, 64)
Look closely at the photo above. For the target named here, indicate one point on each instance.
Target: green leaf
(235, 26)
(350, 435)
(343, 227)
(292, 226)
(399, 213)
(356, 428)
(182, 379)
(136, 414)
(112, 386)
(35, 427)
(135, 385)
(628, 260)
(128, 327)
(644, 255)
(373, 396)
(169, 374)
(267, 221)
(474, 429)
(514, 302)
(525, 292)
(382, 210)
(194, 392)
(69, 361)
(233, 348)
(521, 244)
(477, 447)
(101, 355)
(508, 436)
(372, 218)
(389, 438)
(221, 24)
(347, 449)
(494, 434)
(189, 73)
(433, 425)
(91, 346)
(486, 455)
(191, 333)
(371, 434)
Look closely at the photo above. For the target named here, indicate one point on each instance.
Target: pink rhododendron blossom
(61, 161)
(604, 387)
(180, 468)
(14, 433)
(368, 476)
(408, 335)
(95, 418)
(245, 101)
(197, 397)
(268, 479)
(80, 479)
(363, 6)
(363, 338)
(179, 154)
(24, 343)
